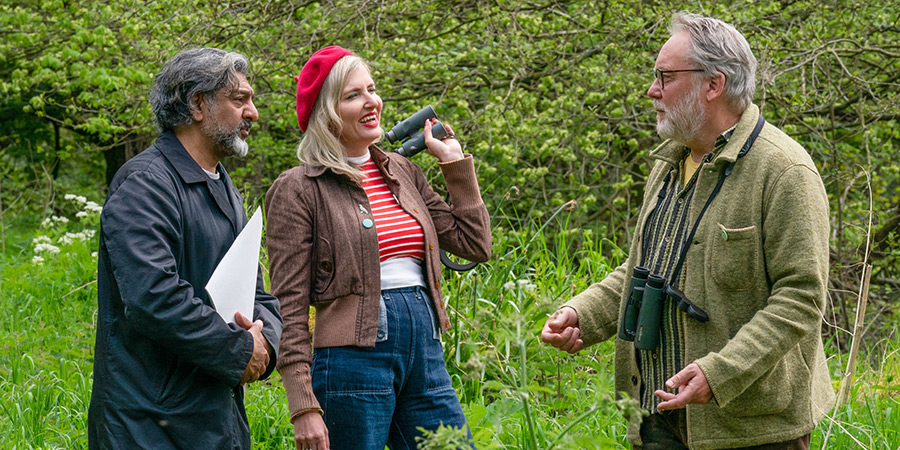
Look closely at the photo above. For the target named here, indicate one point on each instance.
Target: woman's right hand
(310, 432)
(445, 150)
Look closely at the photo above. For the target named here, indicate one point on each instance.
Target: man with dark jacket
(168, 371)
(735, 217)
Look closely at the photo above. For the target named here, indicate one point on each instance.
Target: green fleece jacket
(758, 265)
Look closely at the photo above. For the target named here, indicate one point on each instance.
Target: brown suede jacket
(320, 254)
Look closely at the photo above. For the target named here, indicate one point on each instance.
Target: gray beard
(227, 141)
(683, 121)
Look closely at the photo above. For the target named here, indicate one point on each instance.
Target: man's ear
(200, 107)
(716, 86)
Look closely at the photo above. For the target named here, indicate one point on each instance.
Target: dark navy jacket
(167, 368)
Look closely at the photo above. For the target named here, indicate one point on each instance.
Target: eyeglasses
(659, 74)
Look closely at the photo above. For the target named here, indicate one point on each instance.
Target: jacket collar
(191, 173)
(379, 157)
(673, 152)
(182, 161)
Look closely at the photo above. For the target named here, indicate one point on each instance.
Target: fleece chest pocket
(735, 257)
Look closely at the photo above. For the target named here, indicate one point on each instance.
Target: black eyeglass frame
(658, 74)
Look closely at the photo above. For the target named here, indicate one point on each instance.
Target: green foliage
(444, 438)
(516, 393)
(550, 98)
(48, 302)
(548, 95)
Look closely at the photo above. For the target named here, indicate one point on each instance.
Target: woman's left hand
(445, 150)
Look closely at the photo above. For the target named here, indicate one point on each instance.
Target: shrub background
(549, 96)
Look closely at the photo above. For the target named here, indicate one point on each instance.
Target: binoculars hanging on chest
(647, 294)
(411, 133)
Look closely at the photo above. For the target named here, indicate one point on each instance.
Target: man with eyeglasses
(719, 327)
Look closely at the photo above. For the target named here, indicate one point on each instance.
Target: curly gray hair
(201, 71)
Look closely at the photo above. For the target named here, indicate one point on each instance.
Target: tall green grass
(516, 392)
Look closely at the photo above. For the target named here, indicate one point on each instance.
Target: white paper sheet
(232, 286)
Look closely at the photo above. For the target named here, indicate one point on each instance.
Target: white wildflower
(82, 235)
(65, 240)
(93, 207)
(69, 197)
(526, 285)
(94, 254)
(45, 223)
(81, 214)
(509, 285)
(60, 219)
(42, 239)
(44, 247)
(37, 260)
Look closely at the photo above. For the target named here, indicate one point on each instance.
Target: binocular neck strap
(453, 265)
(744, 149)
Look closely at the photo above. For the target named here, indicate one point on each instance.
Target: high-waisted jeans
(380, 395)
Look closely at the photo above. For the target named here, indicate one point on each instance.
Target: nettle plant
(60, 235)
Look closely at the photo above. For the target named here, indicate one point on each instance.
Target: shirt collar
(721, 142)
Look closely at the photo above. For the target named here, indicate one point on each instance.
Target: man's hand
(692, 388)
(310, 432)
(260, 359)
(561, 330)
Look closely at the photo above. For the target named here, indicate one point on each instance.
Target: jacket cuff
(298, 388)
(720, 393)
(245, 351)
(462, 182)
(589, 328)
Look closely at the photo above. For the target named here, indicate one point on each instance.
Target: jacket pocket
(735, 259)
(324, 269)
(165, 386)
(770, 394)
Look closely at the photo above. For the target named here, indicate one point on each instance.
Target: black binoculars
(410, 132)
(647, 294)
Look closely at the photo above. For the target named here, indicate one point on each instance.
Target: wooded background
(550, 97)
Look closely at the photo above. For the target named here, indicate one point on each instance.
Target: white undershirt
(213, 175)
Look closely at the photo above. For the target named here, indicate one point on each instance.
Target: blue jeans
(380, 395)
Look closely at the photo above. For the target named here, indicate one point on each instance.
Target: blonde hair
(321, 144)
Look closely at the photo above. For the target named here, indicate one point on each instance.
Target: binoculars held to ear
(410, 132)
(647, 294)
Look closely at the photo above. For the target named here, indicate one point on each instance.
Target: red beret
(311, 78)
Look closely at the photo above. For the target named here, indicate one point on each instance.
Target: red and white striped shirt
(399, 235)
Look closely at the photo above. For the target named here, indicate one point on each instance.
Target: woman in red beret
(355, 232)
